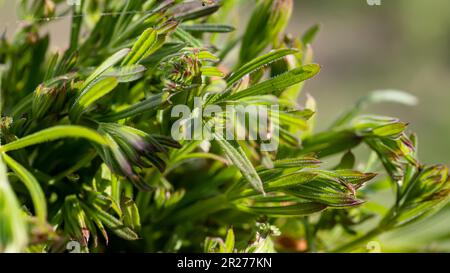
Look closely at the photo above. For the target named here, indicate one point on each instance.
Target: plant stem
(309, 235)
(76, 26)
(359, 241)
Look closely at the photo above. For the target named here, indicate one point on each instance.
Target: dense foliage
(87, 153)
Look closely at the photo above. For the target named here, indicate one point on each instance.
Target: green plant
(87, 153)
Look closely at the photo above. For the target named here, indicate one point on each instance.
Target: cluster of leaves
(86, 147)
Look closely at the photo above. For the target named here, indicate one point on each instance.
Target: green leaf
(162, 52)
(325, 191)
(102, 228)
(13, 228)
(311, 105)
(330, 142)
(417, 212)
(259, 63)
(91, 94)
(278, 83)
(209, 28)
(33, 187)
(210, 71)
(274, 182)
(289, 180)
(347, 161)
(356, 178)
(116, 226)
(54, 133)
(75, 220)
(77, 21)
(388, 130)
(22, 106)
(131, 216)
(365, 124)
(298, 118)
(50, 73)
(267, 23)
(207, 56)
(142, 48)
(148, 106)
(300, 163)
(197, 13)
(236, 154)
(127, 73)
(300, 209)
(68, 61)
(310, 34)
(110, 62)
(211, 243)
(187, 38)
(229, 241)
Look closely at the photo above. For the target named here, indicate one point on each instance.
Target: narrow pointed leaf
(211, 71)
(187, 38)
(236, 154)
(207, 56)
(259, 63)
(290, 180)
(148, 106)
(394, 129)
(274, 182)
(229, 241)
(91, 94)
(116, 226)
(209, 28)
(301, 162)
(127, 73)
(278, 83)
(54, 133)
(33, 187)
(197, 13)
(110, 62)
(13, 228)
(142, 47)
(347, 161)
(131, 216)
(324, 191)
(286, 211)
(310, 34)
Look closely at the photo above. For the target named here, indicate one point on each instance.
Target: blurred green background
(401, 44)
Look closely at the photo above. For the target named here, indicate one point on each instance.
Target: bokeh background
(401, 44)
